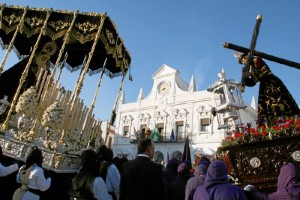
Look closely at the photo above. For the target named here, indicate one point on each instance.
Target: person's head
(115, 160)
(173, 165)
(183, 170)
(35, 156)
(101, 152)
(204, 161)
(188, 163)
(146, 146)
(242, 58)
(217, 172)
(119, 163)
(200, 169)
(89, 161)
(106, 154)
(44, 53)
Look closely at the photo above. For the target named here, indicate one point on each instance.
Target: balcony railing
(179, 138)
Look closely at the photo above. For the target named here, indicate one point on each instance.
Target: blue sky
(187, 36)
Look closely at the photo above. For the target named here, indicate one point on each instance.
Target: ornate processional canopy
(75, 34)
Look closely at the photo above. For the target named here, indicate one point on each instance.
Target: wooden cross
(252, 52)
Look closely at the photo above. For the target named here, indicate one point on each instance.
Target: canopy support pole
(13, 39)
(113, 114)
(79, 85)
(25, 73)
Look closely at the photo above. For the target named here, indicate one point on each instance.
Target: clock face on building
(163, 88)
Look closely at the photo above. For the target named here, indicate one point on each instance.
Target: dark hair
(143, 145)
(35, 156)
(89, 161)
(204, 161)
(241, 57)
(105, 154)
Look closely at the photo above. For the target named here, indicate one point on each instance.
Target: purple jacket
(216, 185)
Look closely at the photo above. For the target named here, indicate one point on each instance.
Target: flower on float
(275, 128)
(236, 135)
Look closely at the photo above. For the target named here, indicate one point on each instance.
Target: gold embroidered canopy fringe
(28, 22)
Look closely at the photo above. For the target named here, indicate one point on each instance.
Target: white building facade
(174, 105)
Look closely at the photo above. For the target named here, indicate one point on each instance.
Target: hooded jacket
(217, 186)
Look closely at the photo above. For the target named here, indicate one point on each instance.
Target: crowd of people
(104, 177)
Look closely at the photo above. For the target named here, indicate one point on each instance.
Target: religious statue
(274, 98)
(10, 79)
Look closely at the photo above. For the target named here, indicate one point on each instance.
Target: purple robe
(216, 185)
(288, 185)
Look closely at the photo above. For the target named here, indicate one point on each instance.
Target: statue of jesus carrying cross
(274, 98)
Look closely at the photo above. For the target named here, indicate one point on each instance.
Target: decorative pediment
(144, 116)
(164, 70)
(180, 111)
(127, 119)
(204, 110)
(161, 114)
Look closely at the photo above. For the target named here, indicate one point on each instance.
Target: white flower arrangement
(84, 141)
(53, 116)
(28, 103)
(72, 141)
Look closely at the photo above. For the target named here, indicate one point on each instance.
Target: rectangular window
(179, 130)
(160, 129)
(205, 124)
(126, 130)
(143, 130)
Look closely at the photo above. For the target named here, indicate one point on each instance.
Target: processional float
(37, 110)
(255, 155)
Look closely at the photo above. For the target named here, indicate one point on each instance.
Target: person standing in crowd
(217, 186)
(87, 184)
(109, 172)
(6, 170)
(288, 185)
(8, 173)
(119, 162)
(31, 176)
(194, 182)
(141, 178)
(170, 173)
(176, 189)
